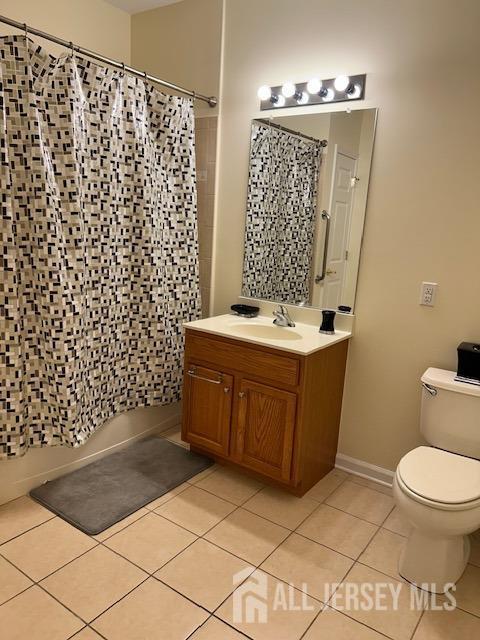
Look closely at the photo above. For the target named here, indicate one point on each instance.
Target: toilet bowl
(437, 487)
(438, 492)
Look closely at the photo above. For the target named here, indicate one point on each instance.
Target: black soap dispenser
(328, 320)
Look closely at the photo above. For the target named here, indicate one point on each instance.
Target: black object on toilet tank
(468, 369)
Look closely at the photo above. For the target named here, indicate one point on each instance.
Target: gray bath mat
(100, 494)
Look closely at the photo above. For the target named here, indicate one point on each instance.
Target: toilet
(437, 487)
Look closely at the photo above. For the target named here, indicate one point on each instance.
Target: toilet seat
(440, 479)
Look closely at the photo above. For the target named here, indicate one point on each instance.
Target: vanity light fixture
(315, 91)
(355, 92)
(328, 96)
(341, 83)
(313, 86)
(264, 92)
(304, 98)
(289, 90)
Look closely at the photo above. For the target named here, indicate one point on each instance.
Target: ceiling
(135, 6)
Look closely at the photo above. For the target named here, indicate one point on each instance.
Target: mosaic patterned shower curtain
(99, 245)
(281, 210)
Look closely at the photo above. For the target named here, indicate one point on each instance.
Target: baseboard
(16, 488)
(364, 469)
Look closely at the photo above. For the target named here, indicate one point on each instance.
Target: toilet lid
(441, 476)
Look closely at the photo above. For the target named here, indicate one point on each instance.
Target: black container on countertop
(328, 322)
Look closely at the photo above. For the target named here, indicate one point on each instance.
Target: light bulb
(355, 93)
(304, 98)
(341, 83)
(264, 92)
(280, 102)
(329, 95)
(313, 86)
(289, 89)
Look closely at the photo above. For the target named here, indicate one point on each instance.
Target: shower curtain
(99, 245)
(281, 210)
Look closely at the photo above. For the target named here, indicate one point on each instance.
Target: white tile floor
(167, 570)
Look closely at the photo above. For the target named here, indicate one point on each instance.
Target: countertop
(302, 339)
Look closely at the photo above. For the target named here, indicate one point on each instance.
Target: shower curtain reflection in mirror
(281, 210)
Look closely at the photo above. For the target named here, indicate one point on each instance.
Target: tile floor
(166, 571)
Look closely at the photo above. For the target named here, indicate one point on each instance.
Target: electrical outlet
(428, 294)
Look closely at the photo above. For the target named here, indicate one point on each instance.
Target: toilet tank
(450, 415)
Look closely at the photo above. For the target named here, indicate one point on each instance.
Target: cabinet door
(207, 408)
(265, 429)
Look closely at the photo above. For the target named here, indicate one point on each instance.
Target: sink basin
(267, 332)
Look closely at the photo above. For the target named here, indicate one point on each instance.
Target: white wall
(96, 25)
(423, 219)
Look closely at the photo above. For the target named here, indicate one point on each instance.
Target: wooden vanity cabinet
(208, 408)
(271, 413)
(264, 429)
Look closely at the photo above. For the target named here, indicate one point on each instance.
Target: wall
(422, 220)
(181, 43)
(99, 26)
(94, 24)
(205, 151)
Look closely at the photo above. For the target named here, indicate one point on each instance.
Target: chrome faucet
(282, 317)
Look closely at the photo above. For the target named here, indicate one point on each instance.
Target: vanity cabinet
(208, 408)
(272, 413)
(265, 429)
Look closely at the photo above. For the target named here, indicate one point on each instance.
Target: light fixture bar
(339, 89)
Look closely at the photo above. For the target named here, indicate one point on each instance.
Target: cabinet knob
(226, 389)
(241, 394)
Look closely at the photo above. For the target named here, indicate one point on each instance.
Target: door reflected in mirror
(307, 193)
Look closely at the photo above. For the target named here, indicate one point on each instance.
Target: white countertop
(301, 339)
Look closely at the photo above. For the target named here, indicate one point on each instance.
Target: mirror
(307, 194)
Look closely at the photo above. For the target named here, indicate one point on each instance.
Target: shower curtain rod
(275, 125)
(210, 100)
